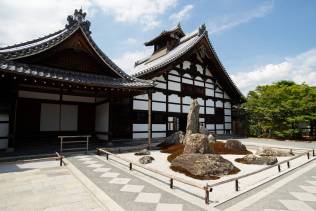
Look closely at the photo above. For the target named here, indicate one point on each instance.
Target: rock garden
(196, 154)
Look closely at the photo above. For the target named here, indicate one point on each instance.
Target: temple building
(63, 84)
(185, 67)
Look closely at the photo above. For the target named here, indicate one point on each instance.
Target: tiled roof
(175, 28)
(60, 75)
(75, 22)
(144, 66)
(188, 42)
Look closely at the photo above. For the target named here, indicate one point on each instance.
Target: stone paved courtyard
(43, 186)
(90, 182)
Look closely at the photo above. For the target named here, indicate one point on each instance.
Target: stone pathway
(44, 185)
(293, 192)
(128, 191)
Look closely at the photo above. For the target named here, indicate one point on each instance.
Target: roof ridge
(33, 40)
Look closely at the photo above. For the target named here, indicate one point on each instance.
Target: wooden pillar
(149, 119)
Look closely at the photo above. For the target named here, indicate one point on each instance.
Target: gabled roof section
(144, 66)
(76, 22)
(177, 29)
(188, 42)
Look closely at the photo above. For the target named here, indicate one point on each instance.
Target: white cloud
(301, 68)
(127, 60)
(182, 14)
(145, 12)
(227, 22)
(131, 41)
(22, 20)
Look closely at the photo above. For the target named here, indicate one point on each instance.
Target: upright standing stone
(193, 118)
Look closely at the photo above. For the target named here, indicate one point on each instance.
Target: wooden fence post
(236, 185)
(171, 183)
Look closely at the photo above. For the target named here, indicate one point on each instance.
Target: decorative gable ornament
(79, 18)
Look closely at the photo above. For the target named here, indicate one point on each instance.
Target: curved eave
(65, 33)
(65, 76)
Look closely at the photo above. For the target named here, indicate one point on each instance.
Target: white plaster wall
(174, 72)
(188, 79)
(219, 95)
(219, 126)
(140, 135)
(185, 108)
(209, 102)
(140, 127)
(199, 68)
(140, 105)
(228, 126)
(208, 72)
(227, 112)
(174, 108)
(210, 126)
(161, 85)
(186, 100)
(210, 110)
(202, 110)
(160, 78)
(174, 78)
(158, 96)
(200, 101)
(174, 98)
(174, 86)
(186, 65)
(141, 97)
(209, 92)
(228, 119)
(159, 127)
(158, 135)
(102, 118)
(219, 104)
(227, 105)
(158, 106)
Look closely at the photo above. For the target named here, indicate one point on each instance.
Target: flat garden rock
(235, 145)
(253, 159)
(175, 138)
(268, 151)
(142, 152)
(146, 159)
(203, 166)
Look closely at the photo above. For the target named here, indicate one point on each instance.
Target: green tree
(280, 109)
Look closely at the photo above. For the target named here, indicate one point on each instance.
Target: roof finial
(79, 17)
(202, 29)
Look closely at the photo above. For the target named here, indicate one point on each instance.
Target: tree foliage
(280, 109)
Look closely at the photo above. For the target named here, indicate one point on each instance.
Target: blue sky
(258, 42)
